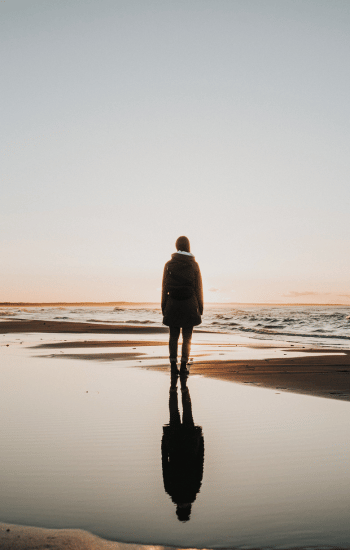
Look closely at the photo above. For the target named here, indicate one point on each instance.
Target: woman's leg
(186, 344)
(173, 340)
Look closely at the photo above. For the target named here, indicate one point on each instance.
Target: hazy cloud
(212, 289)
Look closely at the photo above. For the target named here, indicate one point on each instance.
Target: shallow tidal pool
(83, 446)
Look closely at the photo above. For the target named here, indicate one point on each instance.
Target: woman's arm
(164, 288)
(199, 290)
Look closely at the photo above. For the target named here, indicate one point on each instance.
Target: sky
(127, 123)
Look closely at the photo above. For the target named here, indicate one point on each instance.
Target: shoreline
(60, 327)
(107, 304)
(22, 537)
(307, 370)
(326, 374)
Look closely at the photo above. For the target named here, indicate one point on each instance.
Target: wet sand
(326, 374)
(7, 327)
(18, 537)
(99, 344)
(323, 375)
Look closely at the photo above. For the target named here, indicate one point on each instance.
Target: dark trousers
(186, 343)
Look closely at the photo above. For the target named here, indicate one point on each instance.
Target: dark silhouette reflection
(182, 451)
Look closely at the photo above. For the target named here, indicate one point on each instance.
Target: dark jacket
(182, 292)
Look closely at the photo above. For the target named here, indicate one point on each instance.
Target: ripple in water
(320, 325)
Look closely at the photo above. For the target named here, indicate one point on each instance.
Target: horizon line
(33, 304)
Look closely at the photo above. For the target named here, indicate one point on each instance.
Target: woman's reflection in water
(182, 452)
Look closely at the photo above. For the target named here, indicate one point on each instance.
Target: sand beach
(280, 366)
(303, 369)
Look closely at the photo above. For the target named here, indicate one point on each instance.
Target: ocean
(326, 326)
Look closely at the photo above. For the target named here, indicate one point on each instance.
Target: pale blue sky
(128, 123)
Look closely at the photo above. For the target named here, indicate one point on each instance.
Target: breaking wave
(321, 325)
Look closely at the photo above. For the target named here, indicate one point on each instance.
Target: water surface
(81, 447)
(316, 325)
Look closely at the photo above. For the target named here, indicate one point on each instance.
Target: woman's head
(183, 244)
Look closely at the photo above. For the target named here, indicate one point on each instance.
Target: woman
(182, 300)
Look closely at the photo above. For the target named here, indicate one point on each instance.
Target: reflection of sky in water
(82, 448)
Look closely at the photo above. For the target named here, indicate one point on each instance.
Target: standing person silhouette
(182, 452)
(182, 300)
